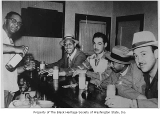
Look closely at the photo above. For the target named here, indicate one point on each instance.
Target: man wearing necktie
(123, 68)
(72, 57)
(132, 92)
(96, 62)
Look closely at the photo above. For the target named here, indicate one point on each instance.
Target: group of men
(136, 80)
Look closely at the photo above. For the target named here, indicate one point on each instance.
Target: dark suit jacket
(77, 60)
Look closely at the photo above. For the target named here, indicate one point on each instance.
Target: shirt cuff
(134, 103)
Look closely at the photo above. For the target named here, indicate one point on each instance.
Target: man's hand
(63, 73)
(48, 70)
(78, 71)
(21, 49)
(118, 102)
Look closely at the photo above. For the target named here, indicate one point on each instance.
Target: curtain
(86, 32)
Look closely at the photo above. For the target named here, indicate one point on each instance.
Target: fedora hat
(68, 37)
(119, 55)
(144, 38)
(141, 39)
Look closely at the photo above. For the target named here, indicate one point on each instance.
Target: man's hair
(10, 14)
(101, 35)
(154, 48)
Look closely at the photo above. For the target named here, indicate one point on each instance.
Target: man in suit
(72, 57)
(145, 51)
(123, 68)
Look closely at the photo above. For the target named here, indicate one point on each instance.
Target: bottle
(42, 65)
(10, 66)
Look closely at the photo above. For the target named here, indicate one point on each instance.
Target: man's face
(13, 24)
(69, 46)
(23, 85)
(98, 45)
(145, 58)
(116, 67)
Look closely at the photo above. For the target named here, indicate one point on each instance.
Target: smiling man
(72, 57)
(145, 51)
(12, 24)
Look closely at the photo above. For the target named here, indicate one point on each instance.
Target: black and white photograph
(79, 54)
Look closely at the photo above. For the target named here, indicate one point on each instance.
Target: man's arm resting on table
(148, 103)
(99, 76)
(145, 103)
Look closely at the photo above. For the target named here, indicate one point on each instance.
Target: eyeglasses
(14, 21)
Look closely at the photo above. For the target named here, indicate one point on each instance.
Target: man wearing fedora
(145, 51)
(124, 68)
(72, 57)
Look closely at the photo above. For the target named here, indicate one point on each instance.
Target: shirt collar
(124, 72)
(72, 55)
(100, 56)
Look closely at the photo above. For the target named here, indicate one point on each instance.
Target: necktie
(96, 62)
(69, 62)
(120, 76)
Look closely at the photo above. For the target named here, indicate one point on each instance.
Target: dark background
(42, 22)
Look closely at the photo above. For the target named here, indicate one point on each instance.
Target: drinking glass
(29, 60)
(111, 90)
(82, 81)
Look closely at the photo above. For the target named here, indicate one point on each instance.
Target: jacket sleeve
(132, 84)
(59, 63)
(78, 61)
(101, 79)
(99, 76)
(147, 103)
(125, 88)
(85, 65)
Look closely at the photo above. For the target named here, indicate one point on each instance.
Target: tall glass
(82, 81)
(55, 72)
(42, 65)
(28, 62)
(55, 84)
(111, 90)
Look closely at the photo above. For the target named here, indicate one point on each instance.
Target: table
(68, 97)
(75, 97)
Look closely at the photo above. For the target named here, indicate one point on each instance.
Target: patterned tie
(69, 62)
(97, 62)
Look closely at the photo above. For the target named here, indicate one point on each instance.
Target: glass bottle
(13, 62)
(42, 65)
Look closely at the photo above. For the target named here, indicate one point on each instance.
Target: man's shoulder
(105, 54)
(79, 52)
(91, 56)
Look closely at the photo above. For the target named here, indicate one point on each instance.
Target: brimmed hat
(143, 38)
(68, 37)
(119, 54)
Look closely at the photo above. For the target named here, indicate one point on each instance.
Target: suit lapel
(66, 61)
(75, 56)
